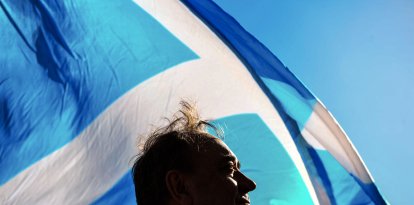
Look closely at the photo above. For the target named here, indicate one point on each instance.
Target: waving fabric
(82, 80)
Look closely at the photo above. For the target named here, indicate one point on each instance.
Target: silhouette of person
(183, 164)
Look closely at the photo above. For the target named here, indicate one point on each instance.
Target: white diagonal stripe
(323, 132)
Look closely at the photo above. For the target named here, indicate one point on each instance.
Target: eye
(229, 169)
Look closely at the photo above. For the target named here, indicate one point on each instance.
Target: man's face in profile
(217, 179)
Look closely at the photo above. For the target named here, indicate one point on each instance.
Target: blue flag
(81, 81)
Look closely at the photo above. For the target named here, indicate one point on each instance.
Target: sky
(357, 57)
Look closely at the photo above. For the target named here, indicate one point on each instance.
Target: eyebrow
(232, 158)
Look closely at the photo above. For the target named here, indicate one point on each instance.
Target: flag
(81, 81)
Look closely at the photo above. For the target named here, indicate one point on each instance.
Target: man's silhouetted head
(183, 164)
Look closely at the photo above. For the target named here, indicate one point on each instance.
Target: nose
(245, 184)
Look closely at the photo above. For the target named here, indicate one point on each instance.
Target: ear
(177, 185)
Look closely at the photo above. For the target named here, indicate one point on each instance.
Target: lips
(243, 200)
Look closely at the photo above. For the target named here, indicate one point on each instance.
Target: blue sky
(358, 58)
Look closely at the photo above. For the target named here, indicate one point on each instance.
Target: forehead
(216, 151)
